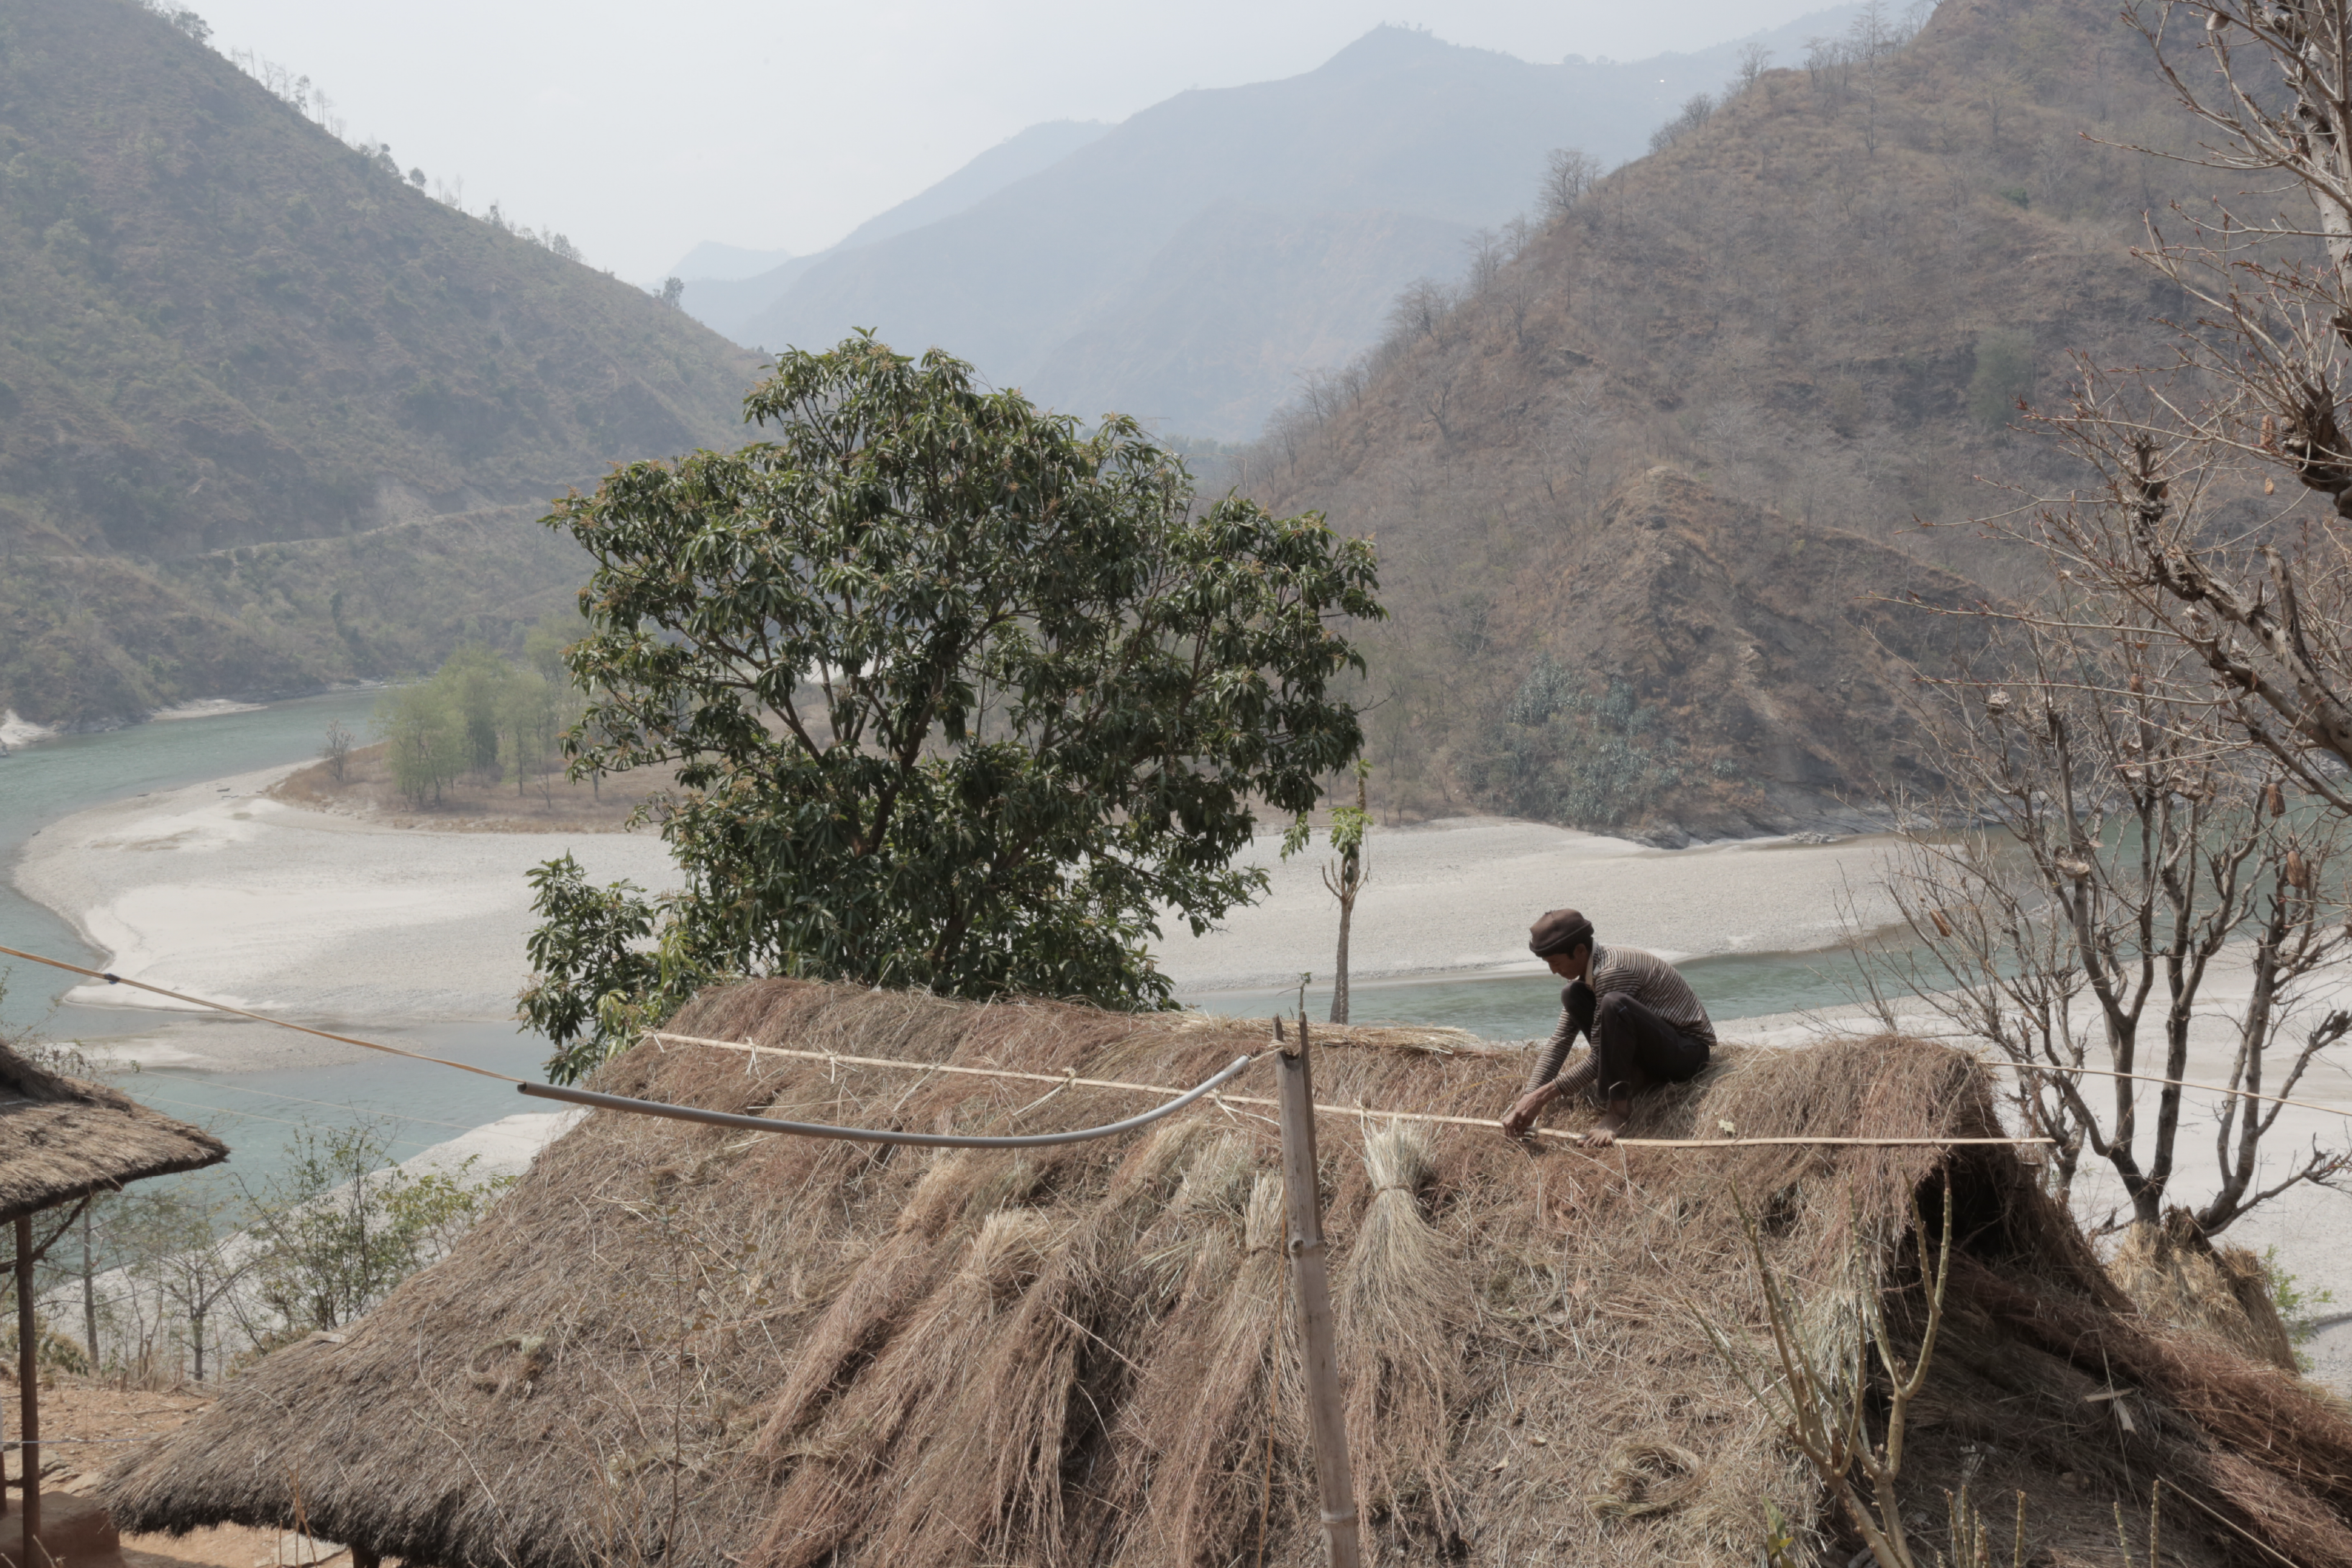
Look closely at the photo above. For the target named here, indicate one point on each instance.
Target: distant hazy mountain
(1017, 157)
(729, 301)
(724, 263)
(1187, 265)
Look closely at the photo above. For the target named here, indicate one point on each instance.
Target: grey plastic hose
(873, 1135)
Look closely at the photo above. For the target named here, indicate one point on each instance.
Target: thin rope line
(1036, 1078)
(839, 1058)
(45, 1439)
(233, 1110)
(663, 1108)
(2177, 1082)
(258, 1116)
(259, 1017)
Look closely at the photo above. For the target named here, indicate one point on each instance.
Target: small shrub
(1561, 753)
(2004, 374)
(2298, 1308)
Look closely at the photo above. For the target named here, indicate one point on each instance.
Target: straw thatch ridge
(694, 1345)
(62, 1138)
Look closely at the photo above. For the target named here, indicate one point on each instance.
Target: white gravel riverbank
(218, 891)
(1459, 894)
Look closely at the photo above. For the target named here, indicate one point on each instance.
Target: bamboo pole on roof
(1327, 1420)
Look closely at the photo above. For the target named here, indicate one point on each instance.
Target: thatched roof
(700, 1346)
(63, 1139)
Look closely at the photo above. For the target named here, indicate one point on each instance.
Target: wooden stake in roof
(1310, 1288)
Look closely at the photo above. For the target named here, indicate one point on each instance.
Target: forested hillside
(1647, 490)
(269, 415)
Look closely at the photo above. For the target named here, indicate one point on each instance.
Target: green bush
(2297, 1307)
(342, 1225)
(1561, 753)
(2004, 374)
(481, 713)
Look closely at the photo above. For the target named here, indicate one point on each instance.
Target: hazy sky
(639, 129)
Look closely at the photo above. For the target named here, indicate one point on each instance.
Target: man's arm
(1545, 1083)
(1554, 1055)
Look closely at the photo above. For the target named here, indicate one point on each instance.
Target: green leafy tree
(339, 1228)
(531, 715)
(423, 744)
(593, 976)
(544, 645)
(472, 684)
(539, 700)
(960, 697)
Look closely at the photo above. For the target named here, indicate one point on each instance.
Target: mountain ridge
(1818, 308)
(1398, 121)
(226, 333)
(729, 306)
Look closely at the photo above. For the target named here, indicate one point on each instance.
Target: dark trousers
(1633, 1048)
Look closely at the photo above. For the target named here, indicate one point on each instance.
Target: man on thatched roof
(1646, 1025)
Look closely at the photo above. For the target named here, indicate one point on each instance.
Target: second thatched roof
(62, 1138)
(692, 1345)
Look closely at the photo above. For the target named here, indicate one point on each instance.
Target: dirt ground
(550, 803)
(87, 1426)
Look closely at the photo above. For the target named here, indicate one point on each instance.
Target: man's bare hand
(1522, 1114)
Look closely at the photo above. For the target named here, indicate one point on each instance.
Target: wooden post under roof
(28, 1374)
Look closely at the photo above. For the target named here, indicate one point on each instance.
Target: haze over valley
(792, 721)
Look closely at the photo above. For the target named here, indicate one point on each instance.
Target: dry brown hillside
(270, 417)
(1761, 679)
(1817, 308)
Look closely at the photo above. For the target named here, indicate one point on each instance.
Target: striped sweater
(1647, 979)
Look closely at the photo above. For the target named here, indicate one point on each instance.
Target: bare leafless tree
(2195, 531)
(2112, 844)
(1569, 175)
(1488, 251)
(2160, 783)
(1421, 310)
(1753, 60)
(1581, 426)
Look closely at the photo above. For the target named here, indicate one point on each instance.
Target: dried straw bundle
(775, 1351)
(2175, 1276)
(1401, 1299)
(1222, 1392)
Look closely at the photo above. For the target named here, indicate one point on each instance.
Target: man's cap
(1558, 932)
